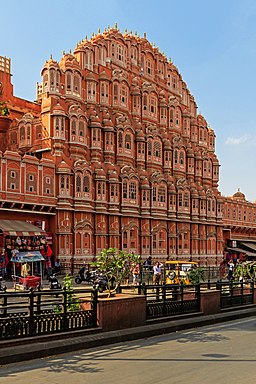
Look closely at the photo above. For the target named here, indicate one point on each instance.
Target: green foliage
(196, 275)
(4, 110)
(245, 271)
(72, 301)
(115, 265)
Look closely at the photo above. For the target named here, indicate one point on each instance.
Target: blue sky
(213, 44)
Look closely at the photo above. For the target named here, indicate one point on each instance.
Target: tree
(115, 265)
(245, 271)
(196, 275)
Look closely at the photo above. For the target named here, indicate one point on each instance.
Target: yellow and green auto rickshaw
(177, 271)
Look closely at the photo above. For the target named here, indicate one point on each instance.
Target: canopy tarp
(27, 257)
(19, 228)
(252, 246)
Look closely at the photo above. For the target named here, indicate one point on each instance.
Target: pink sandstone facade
(114, 154)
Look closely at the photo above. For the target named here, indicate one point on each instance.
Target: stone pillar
(210, 302)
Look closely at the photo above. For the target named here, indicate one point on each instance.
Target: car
(176, 271)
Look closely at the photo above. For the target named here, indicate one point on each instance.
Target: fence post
(38, 301)
(164, 298)
(198, 296)
(5, 304)
(182, 296)
(94, 297)
(65, 309)
(31, 312)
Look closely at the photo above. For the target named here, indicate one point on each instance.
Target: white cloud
(245, 139)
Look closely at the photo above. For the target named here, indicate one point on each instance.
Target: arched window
(102, 55)
(176, 154)
(128, 144)
(120, 52)
(62, 182)
(124, 95)
(22, 133)
(81, 128)
(78, 183)
(125, 190)
(133, 191)
(120, 140)
(157, 149)
(171, 116)
(145, 102)
(161, 194)
(73, 127)
(186, 200)
(57, 124)
(150, 148)
(182, 158)
(116, 93)
(77, 84)
(86, 184)
(68, 82)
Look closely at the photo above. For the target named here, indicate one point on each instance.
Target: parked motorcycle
(54, 282)
(101, 283)
(87, 276)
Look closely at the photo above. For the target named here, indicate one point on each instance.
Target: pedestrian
(136, 274)
(231, 267)
(157, 273)
(148, 264)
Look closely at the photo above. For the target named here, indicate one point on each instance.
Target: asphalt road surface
(217, 354)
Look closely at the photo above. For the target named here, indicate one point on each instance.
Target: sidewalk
(38, 347)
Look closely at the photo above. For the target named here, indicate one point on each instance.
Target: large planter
(121, 311)
(5, 123)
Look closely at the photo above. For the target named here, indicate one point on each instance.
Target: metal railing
(24, 314)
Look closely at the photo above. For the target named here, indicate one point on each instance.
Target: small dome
(69, 61)
(58, 110)
(239, 195)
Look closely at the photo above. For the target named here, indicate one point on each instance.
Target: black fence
(167, 300)
(170, 300)
(235, 294)
(24, 314)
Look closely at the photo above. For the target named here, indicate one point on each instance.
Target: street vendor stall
(29, 262)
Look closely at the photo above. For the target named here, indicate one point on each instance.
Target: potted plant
(5, 120)
(4, 110)
(115, 265)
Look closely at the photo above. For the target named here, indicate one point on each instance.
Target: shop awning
(240, 250)
(252, 246)
(19, 228)
(27, 257)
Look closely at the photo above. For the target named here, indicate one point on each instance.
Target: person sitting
(57, 266)
(25, 270)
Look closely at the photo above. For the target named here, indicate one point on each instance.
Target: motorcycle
(87, 276)
(53, 282)
(101, 283)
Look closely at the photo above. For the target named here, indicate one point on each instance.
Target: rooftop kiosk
(27, 262)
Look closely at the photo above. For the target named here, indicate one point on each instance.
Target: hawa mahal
(113, 153)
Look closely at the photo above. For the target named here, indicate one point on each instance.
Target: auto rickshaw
(176, 271)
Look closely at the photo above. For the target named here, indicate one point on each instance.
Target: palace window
(78, 183)
(128, 144)
(86, 184)
(133, 191)
(125, 190)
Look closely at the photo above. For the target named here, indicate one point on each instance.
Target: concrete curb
(39, 347)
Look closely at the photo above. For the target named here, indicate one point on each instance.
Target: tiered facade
(114, 154)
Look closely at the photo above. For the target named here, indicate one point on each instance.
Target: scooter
(53, 282)
(88, 276)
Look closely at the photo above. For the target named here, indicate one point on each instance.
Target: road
(221, 354)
